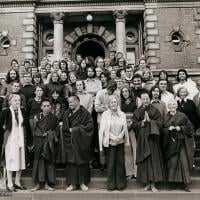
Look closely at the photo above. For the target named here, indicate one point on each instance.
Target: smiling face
(145, 99)
(113, 104)
(172, 106)
(155, 93)
(79, 86)
(183, 93)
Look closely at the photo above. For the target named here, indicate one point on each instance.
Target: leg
(17, 181)
(110, 158)
(153, 187)
(9, 177)
(120, 168)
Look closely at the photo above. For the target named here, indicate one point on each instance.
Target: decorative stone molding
(179, 34)
(150, 35)
(120, 15)
(29, 49)
(104, 36)
(57, 17)
(197, 31)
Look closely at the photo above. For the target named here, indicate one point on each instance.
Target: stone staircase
(97, 190)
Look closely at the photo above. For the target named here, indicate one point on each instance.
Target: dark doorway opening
(91, 48)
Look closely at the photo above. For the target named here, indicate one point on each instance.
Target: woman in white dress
(12, 121)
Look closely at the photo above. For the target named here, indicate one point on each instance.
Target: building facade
(166, 31)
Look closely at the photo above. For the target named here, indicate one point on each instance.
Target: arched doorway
(90, 48)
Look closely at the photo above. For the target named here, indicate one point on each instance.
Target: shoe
(128, 178)
(154, 189)
(110, 189)
(185, 188)
(47, 187)
(70, 188)
(84, 187)
(147, 187)
(120, 188)
(11, 189)
(20, 187)
(37, 187)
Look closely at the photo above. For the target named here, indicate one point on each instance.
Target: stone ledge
(28, 21)
(151, 18)
(152, 32)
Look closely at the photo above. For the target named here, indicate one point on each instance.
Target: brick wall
(13, 23)
(182, 19)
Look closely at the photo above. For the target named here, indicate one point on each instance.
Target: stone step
(62, 172)
(100, 183)
(100, 194)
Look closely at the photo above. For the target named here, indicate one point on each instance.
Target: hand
(171, 128)
(45, 134)
(70, 129)
(178, 128)
(147, 116)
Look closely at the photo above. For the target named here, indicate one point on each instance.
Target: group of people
(98, 113)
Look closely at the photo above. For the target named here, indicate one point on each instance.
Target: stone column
(120, 20)
(58, 34)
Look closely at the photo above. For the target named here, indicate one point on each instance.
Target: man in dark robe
(77, 131)
(45, 138)
(178, 144)
(147, 122)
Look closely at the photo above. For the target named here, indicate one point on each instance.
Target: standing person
(77, 131)
(28, 88)
(187, 106)
(92, 85)
(15, 89)
(85, 99)
(45, 139)
(184, 81)
(178, 147)
(128, 106)
(165, 95)
(163, 75)
(147, 123)
(12, 120)
(82, 70)
(155, 96)
(113, 134)
(12, 75)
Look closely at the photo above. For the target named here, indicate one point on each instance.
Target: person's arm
(99, 107)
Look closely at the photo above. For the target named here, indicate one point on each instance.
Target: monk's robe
(149, 158)
(178, 147)
(77, 144)
(44, 152)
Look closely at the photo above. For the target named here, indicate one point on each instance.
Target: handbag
(3, 179)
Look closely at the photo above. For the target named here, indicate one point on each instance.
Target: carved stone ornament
(57, 17)
(120, 15)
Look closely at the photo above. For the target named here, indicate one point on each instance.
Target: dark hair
(137, 76)
(181, 70)
(82, 83)
(63, 61)
(152, 89)
(112, 84)
(127, 67)
(145, 92)
(45, 99)
(93, 71)
(38, 86)
(13, 60)
(27, 61)
(165, 72)
(52, 75)
(75, 97)
(129, 90)
(106, 74)
(8, 79)
(160, 81)
(36, 76)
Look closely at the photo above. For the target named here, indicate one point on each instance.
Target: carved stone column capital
(120, 15)
(57, 17)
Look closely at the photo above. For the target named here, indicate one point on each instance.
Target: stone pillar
(120, 20)
(58, 34)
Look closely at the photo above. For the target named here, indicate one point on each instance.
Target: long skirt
(178, 168)
(116, 176)
(130, 155)
(152, 168)
(44, 171)
(77, 174)
(14, 154)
